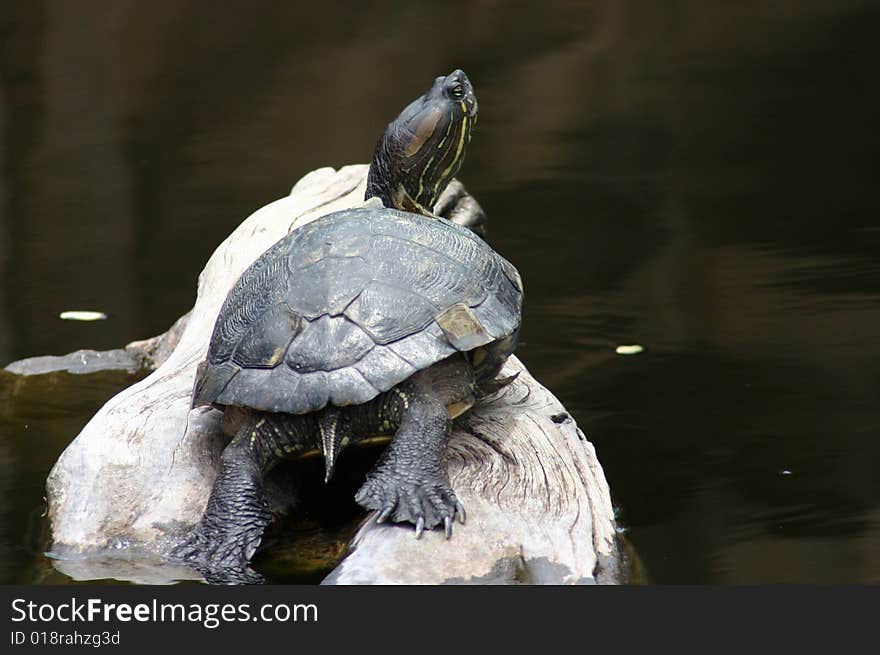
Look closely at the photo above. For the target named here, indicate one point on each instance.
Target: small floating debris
(785, 472)
(633, 349)
(82, 316)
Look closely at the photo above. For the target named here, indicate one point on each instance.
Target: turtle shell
(351, 305)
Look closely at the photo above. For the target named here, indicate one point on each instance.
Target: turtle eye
(457, 91)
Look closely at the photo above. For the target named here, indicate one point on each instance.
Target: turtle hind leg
(488, 362)
(221, 544)
(409, 482)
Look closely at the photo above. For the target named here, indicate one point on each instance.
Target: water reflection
(694, 177)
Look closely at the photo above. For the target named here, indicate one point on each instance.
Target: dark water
(696, 177)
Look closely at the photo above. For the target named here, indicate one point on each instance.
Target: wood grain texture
(539, 509)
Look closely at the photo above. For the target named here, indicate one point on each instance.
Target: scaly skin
(409, 482)
(231, 528)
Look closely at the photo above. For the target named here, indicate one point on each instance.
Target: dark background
(696, 177)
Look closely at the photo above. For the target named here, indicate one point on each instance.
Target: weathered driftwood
(537, 504)
(141, 470)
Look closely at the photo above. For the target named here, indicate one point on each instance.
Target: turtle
(380, 320)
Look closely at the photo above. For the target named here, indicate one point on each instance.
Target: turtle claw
(459, 509)
(384, 514)
(219, 562)
(428, 504)
(494, 386)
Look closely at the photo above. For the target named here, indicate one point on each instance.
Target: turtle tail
(335, 432)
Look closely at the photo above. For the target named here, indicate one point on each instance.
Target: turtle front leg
(410, 482)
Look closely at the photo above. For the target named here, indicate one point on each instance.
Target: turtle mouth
(468, 103)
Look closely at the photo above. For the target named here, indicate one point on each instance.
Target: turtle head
(423, 148)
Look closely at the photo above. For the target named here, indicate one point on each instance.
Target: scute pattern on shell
(345, 308)
(259, 288)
